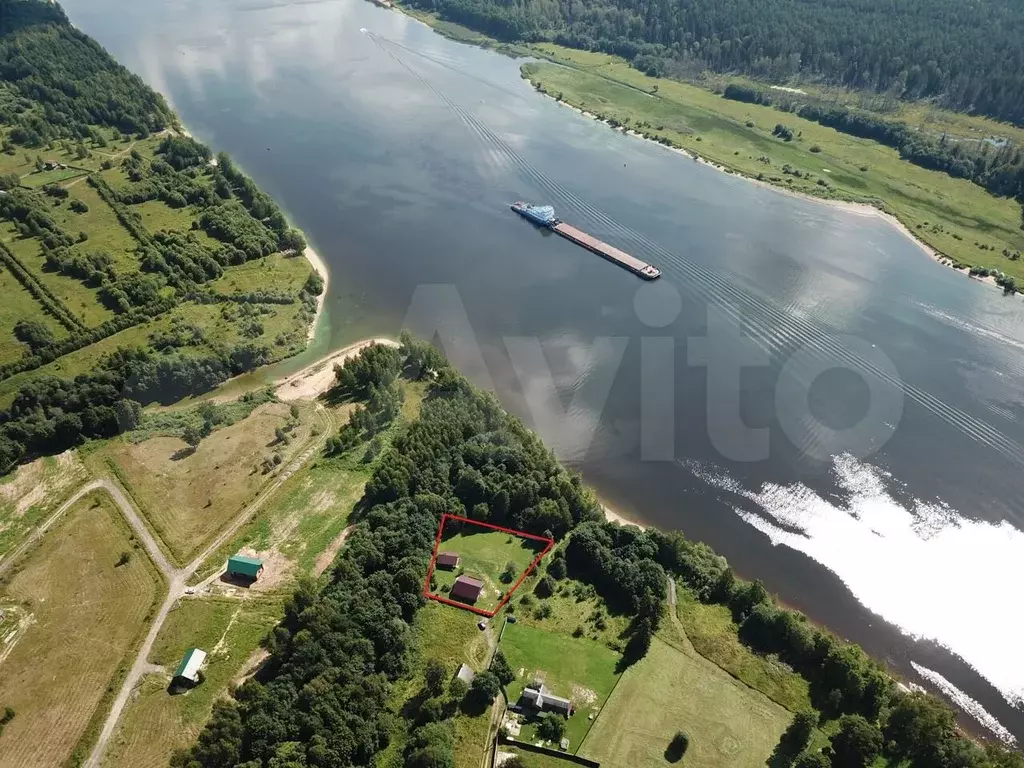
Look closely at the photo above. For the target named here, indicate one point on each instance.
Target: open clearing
(187, 496)
(729, 724)
(86, 615)
(155, 723)
(576, 668)
(717, 128)
(484, 554)
(30, 494)
(19, 304)
(574, 606)
(713, 633)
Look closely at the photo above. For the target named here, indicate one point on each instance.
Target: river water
(804, 389)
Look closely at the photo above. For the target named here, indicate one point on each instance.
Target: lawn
(714, 635)
(576, 668)
(87, 613)
(729, 724)
(485, 554)
(188, 496)
(535, 760)
(18, 304)
(937, 207)
(155, 723)
(33, 491)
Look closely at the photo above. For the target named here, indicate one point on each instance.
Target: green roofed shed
(189, 667)
(243, 565)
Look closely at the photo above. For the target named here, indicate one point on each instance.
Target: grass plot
(575, 668)
(85, 613)
(729, 724)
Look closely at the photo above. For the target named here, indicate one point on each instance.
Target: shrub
(815, 148)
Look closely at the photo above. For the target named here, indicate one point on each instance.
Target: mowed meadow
(83, 614)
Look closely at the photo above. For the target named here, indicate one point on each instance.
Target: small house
(245, 567)
(466, 674)
(541, 699)
(448, 560)
(188, 670)
(467, 588)
(564, 744)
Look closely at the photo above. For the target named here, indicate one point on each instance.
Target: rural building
(564, 745)
(189, 668)
(447, 560)
(541, 699)
(245, 567)
(467, 588)
(465, 674)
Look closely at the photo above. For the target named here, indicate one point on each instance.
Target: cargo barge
(544, 216)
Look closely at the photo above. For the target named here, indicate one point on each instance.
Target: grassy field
(714, 635)
(576, 668)
(278, 273)
(187, 496)
(218, 323)
(534, 760)
(155, 723)
(83, 302)
(484, 555)
(951, 215)
(18, 304)
(729, 724)
(574, 606)
(30, 494)
(87, 613)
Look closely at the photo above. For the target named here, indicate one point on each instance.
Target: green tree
(193, 435)
(856, 744)
(34, 334)
(501, 668)
(484, 688)
(551, 726)
(510, 571)
(798, 734)
(434, 676)
(811, 760)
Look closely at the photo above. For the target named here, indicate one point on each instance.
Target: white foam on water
(920, 565)
(965, 702)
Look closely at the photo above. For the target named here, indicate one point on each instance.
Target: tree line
(966, 56)
(997, 167)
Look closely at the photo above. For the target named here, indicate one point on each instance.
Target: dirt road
(177, 578)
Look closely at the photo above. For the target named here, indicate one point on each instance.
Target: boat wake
(776, 331)
(920, 565)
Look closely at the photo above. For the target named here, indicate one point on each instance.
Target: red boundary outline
(480, 611)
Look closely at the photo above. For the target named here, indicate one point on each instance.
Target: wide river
(804, 389)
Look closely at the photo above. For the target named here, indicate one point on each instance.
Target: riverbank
(320, 267)
(318, 377)
(857, 208)
(957, 223)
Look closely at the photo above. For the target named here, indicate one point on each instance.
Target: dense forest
(968, 56)
(325, 699)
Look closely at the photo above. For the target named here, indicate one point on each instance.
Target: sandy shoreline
(614, 516)
(318, 377)
(848, 206)
(320, 267)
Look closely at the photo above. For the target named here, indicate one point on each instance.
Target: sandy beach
(321, 268)
(315, 379)
(614, 516)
